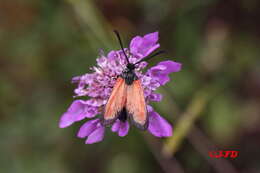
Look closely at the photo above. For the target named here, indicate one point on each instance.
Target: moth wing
(136, 106)
(116, 102)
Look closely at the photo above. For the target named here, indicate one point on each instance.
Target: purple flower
(98, 85)
(78, 110)
(93, 130)
(158, 126)
(143, 46)
(163, 69)
(120, 127)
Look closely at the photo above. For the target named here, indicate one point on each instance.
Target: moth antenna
(121, 44)
(149, 57)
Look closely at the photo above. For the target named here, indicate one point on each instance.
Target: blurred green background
(213, 103)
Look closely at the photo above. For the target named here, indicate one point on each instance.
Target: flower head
(98, 85)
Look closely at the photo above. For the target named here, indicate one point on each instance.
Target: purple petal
(149, 108)
(143, 46)
(66, 120)
(135, 44)
(102, 62)
(124, 128)
(120, 127)
(96, 136)
(116, 126)
(161, 71)
(171, 66)
(156, 97)
(152, 37)
(96, 102)
(75, 79)
(150, 42)
(91, 112)
(112, 55)
(163, 79)
(87, 128)
(158, 126)
(76, 112)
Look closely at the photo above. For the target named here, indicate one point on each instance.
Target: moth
(127, 99)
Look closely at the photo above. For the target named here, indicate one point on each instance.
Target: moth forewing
(116, 102)
(136, 106)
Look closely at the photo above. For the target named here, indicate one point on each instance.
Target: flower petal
(135, 44)
(91, 112)
(75, 79)
(156, 97)
(152, 38)
(102, 62)
(171, 66)
(161, 71)
(95, 102)
(143, 46)
(96, 136)
(76, 112)
(116, 126)
(87, 128)
(158, 126)
(66, 120)
(112, 55)
(124, 128)
(149, 108)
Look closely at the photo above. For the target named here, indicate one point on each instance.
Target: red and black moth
(127, 99)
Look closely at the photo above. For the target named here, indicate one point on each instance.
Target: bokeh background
(213, 103)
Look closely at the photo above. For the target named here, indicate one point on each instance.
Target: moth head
(130, 66)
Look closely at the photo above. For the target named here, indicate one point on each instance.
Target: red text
(223, 154)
